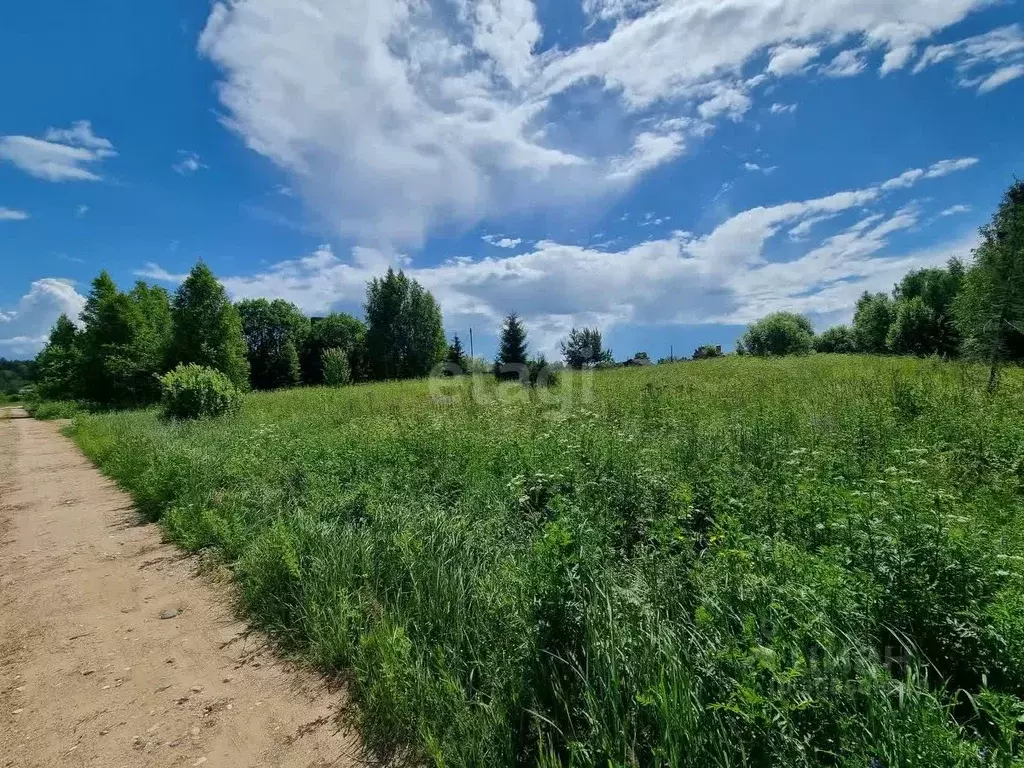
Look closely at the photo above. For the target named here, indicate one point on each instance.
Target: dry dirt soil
(90, 672)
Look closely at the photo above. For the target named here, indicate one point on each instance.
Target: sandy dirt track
(91, 675)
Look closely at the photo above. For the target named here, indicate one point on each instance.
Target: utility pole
(671, 353)
(471, 354)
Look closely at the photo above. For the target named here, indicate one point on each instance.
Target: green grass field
(737, 562)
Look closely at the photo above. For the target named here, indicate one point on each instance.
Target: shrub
(194, 392)
(781, 333)
(837, 340)
(541, 374)
(334, 363)
(707, 351)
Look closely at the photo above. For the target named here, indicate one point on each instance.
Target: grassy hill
(791, 562)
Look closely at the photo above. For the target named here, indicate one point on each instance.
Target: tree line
(974, 311)
(124, 341)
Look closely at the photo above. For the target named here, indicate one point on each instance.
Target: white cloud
(728, 102)
(151, 271)
(846, 64)
(502, 242)
(897, 58)
(1001, 77)
(935, 171)
(80, 211)
(188, 163)
(25, 328)
(64, 154)
(755, 168)
(723, 276)
(953, 210)
(788, 60)
(394, 117)
(946, 167)
(1000, 50)
(779, 109)
(10, 214)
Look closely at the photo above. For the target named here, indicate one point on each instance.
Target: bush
(541, 374)
(837, 340)
(334, 363)
(194, 392)
(781, 333)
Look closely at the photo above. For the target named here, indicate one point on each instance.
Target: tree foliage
(778, 334)
(707, 351)
(837, 340)
(336, 331)
(455, 358)
(404, 334)
(512, 349)
(584, 347)
(990, 307)
(123, 345)
(207, 328)
(59, 363)
(871, 322)
(274, 333)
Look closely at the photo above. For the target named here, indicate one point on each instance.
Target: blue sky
(667, 170)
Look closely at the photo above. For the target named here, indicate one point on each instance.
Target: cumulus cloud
(788, 59)
(11, 214)
(394, 117)
(731, 274)
(63, 154)
(984, 62)
(25, 328)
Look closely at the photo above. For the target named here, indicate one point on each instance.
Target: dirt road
(90, 672)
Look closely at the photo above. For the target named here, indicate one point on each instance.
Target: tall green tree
(780, 333)
(58, 365)
(123, 344)
(336, 331)
(207, 328)
(404, 334)
(151, 340)
(990, 307)
(584, 347)
(914, 329)
(871, 322)
(512, 349)
(274, 333)
(928, 326)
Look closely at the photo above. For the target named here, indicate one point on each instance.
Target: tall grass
(735, 562)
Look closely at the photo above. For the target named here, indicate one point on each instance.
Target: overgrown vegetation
(194, 392)
(768, 562)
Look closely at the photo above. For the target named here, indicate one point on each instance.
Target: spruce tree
(456, 355)
(512, 349)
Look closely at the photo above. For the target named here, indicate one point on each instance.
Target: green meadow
(766, 562)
